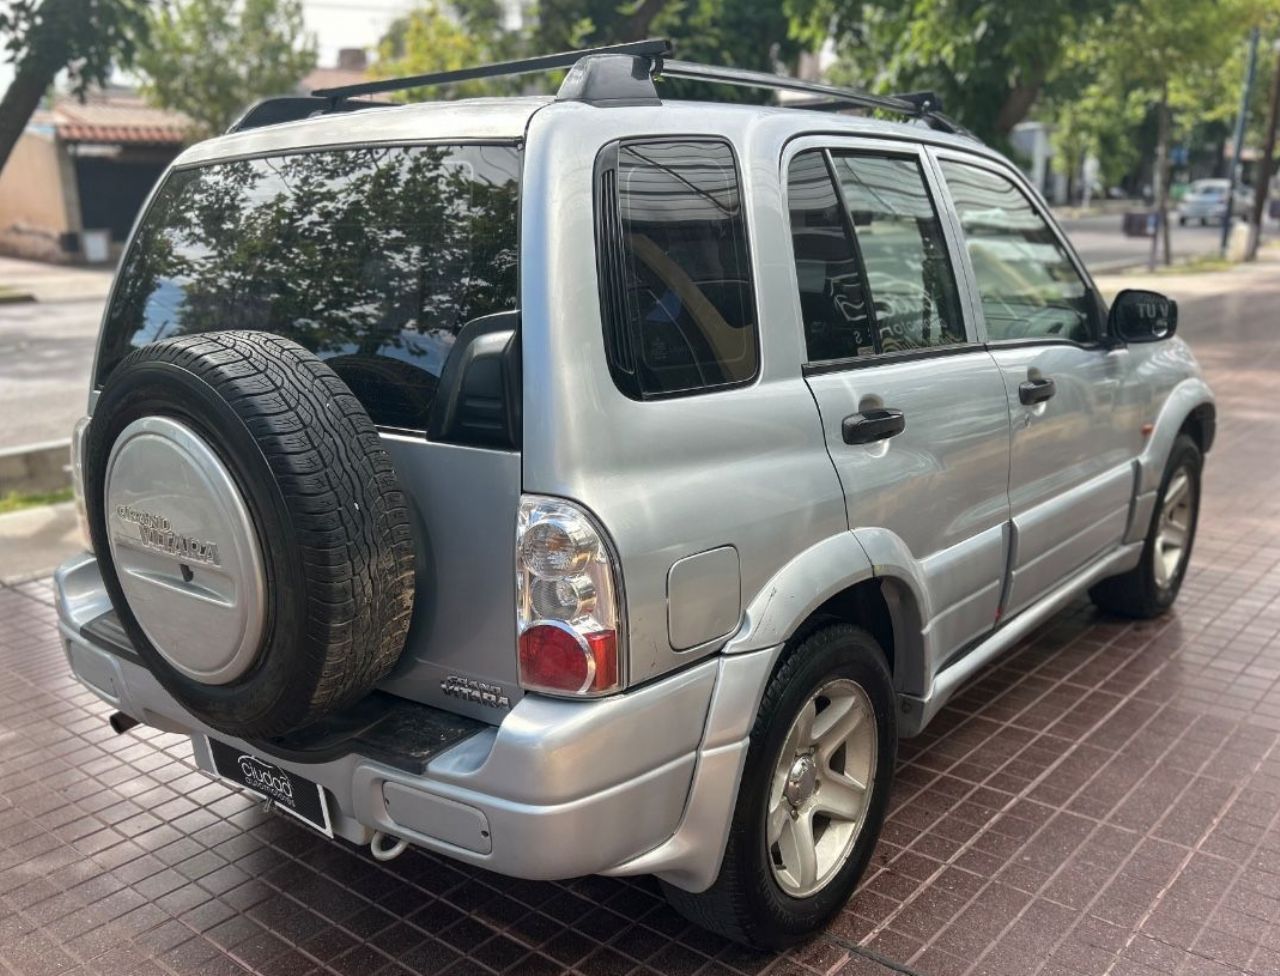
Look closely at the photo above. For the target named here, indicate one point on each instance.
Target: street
(1104, 248)
(46, 348)
(1103, 800)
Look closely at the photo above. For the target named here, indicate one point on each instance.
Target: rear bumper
(560, 789)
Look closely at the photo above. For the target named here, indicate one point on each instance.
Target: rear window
(675, 274)
(372, 258)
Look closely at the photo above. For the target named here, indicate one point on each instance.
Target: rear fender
(828, 568)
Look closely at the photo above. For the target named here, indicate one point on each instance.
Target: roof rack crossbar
(655, 48)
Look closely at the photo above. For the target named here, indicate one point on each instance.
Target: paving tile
(1106, 799)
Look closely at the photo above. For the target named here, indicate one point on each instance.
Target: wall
(38, 201)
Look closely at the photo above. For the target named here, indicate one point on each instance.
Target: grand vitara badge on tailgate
(480, 692)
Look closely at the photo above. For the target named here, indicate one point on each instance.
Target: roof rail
(925, 106)
(655, 49)
(291, 108)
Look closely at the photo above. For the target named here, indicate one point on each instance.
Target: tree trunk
(1018, 103)
(1160, 194)
(46, 56)
(1264, 171)
(640, 19)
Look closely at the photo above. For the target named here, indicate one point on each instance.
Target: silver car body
(1207, 200)
(735, 514)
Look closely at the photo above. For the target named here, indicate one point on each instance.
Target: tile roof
(119, 118)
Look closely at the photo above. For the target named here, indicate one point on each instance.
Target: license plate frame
(287, 791)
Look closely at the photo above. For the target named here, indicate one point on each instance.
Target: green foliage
(212, 59)
(428, 40)
(745, 33)
(86, 37)
(989, 60)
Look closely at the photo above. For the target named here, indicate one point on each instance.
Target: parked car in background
(1206, 202)
(602, 483)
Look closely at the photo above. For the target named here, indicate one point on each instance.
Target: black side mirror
(1142, 316)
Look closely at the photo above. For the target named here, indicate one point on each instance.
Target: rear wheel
(1150, 588)
(813, 794)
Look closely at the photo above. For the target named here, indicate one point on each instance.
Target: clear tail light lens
(569, 601)
(78, 435)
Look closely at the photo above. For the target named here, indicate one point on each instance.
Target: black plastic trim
(888, 358)
(383, 727)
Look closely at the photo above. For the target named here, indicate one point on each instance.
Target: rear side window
(675, 274)
(372, 258)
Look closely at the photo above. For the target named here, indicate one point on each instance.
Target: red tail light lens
(554, 657)
(569, 607)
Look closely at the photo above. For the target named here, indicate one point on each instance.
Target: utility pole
(1241, 121)
(1268, 153)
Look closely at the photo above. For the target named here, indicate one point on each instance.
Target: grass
(17, 500)
(1201, 264)
(8, 295)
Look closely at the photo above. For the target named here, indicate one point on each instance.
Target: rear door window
(871, 258)
(675, 273)
(372, 258)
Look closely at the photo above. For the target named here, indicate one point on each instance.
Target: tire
(1148, 589)
(323, 528)
(749, 902)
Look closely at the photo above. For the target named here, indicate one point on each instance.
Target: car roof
(502, 119)
(496, 119)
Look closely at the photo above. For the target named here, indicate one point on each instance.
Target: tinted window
(833, 300)
(373, 259)
(674, 270)
(903, 251)
(1029, 287)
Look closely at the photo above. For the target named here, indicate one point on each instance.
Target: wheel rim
(1173, 528)
(821, 787)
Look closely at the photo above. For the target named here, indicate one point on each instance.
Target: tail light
(78, 435)
(569, 601)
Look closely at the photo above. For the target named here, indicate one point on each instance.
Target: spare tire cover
(250, 528)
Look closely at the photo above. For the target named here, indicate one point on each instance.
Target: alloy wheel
(1173, 528)
(821, 787)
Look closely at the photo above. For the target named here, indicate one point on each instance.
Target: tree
(84, 36)
(989, 60)
(745, 33)
(211, 59)
(1182, 59)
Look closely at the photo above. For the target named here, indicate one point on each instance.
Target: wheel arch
(1189, 408)
(836, 580)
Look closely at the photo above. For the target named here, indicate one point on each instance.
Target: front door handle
(1037, 390)
(873, 425)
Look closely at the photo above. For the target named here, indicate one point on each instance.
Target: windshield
(372, 258)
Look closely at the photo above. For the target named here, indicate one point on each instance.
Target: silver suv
(602, 483)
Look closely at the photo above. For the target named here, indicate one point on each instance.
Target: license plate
(287, 791)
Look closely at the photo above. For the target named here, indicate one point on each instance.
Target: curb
(36, 467)
(16, 297)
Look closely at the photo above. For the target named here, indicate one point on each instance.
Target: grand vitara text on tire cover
(604, 482)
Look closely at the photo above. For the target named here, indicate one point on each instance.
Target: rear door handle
(873, 425)
(1037, 391)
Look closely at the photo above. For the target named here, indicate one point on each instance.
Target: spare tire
(250, 529)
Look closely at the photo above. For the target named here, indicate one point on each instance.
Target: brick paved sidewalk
(1105, 801)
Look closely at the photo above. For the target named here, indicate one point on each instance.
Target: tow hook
(381, 853)
(121, 723)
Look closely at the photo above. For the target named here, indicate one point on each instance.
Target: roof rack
(616, 74)
(654, 49)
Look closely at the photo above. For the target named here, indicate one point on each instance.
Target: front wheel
(813, 795)
(1150, 588)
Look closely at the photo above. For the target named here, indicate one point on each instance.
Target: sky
(335, 23)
